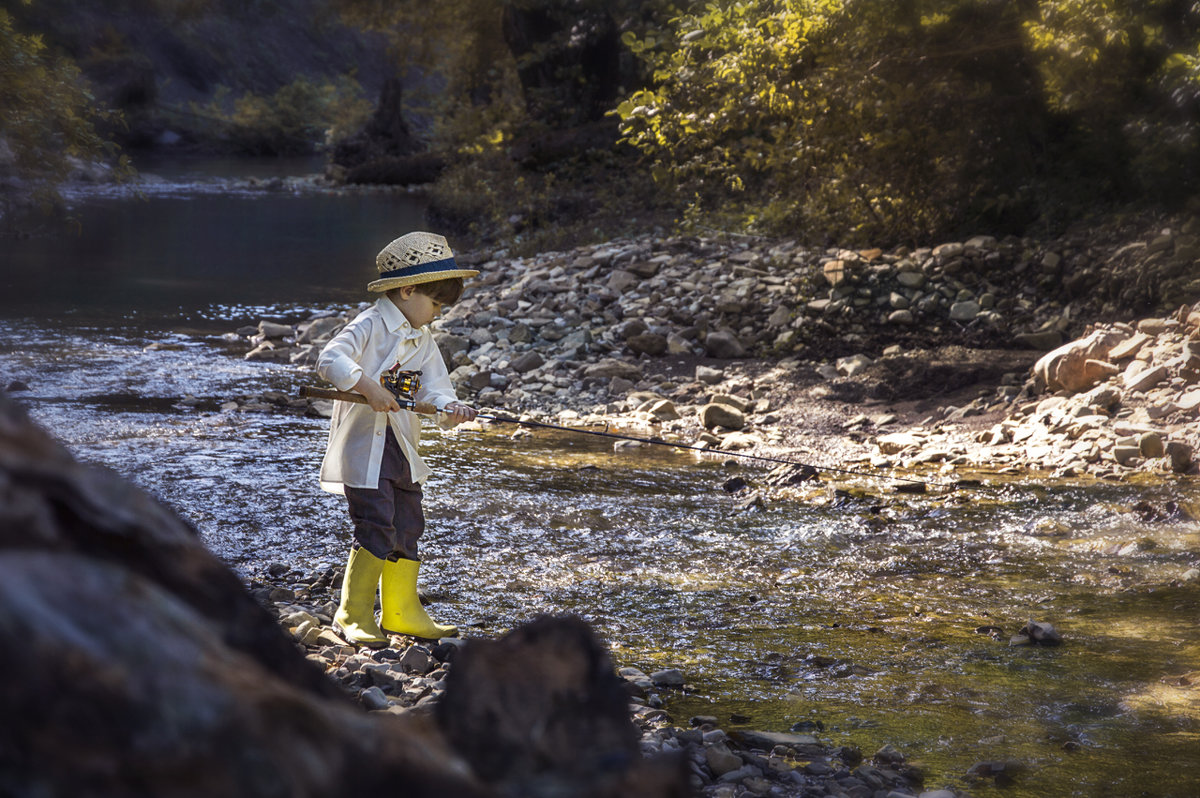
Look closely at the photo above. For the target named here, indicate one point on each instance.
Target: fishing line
(404, 384)
(703, 449)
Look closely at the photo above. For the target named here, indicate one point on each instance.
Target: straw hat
(416, 258)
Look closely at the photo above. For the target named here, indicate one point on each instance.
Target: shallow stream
(852, 619)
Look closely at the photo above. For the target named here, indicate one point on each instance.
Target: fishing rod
(428, 409)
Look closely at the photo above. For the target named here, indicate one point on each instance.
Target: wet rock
(320, 330)
(636, 680)
(16, 385)
(668, 677)
(765, 741)
(1004, 773)
(268, 351)
(270, 329)
(1036, 633)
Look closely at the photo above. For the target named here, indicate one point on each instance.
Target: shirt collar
(394, 319)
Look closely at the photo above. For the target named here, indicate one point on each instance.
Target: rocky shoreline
(934, 360)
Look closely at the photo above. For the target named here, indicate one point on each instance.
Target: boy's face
(418, 308)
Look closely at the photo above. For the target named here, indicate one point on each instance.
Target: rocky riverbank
(964, 356)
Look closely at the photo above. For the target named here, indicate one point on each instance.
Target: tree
(48, 122)
(856, 120)
(1128, 76)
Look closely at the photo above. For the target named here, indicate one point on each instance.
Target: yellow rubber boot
(355, 617)
(402, 610)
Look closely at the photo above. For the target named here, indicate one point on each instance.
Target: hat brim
(388, 283)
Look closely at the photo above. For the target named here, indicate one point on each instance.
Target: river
(855, 620)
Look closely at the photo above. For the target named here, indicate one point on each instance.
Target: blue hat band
(422, 268)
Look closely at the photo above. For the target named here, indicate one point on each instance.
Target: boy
(372, 453)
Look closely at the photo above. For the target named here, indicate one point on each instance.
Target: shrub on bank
(297, 119)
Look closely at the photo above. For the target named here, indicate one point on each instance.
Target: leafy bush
(294, 120)
(862, 121)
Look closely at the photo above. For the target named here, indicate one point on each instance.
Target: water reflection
(197, 244)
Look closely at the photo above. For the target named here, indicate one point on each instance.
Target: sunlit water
(858, 622)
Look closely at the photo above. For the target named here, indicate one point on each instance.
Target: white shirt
(377, 338)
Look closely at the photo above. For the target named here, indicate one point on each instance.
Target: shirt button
(378, 433)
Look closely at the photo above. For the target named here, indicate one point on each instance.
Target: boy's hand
(379, 398)
(457, 412)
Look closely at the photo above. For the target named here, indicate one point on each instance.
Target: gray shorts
(388, 521)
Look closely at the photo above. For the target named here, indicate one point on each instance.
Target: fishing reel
(402, 384)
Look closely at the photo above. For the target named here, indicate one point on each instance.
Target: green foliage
(48, 120)
(292, 121)
(1129, 75)
(862, 121)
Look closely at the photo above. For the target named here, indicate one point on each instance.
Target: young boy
(372, 454)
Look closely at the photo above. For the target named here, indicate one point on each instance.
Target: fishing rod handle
(421, 408)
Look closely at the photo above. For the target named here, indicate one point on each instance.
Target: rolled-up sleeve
(338, 361)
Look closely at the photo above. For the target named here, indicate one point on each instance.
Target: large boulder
(138, 664)
(1078, 365)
